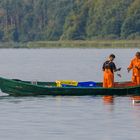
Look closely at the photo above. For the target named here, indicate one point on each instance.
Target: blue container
(87, 84)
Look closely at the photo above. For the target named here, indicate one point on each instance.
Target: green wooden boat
(17, 87)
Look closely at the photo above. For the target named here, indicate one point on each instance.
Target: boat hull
(22, 88)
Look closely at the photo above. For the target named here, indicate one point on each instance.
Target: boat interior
(98, 84)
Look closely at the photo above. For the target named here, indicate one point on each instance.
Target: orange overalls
(108, 80)
(135, 66)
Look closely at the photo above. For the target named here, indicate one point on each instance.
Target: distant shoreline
(74, 44)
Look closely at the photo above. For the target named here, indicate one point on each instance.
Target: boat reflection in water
(108, 99)
(135, 100)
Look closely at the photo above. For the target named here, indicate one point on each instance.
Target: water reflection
(135, 100)
(108, 100)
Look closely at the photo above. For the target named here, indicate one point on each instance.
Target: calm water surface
(66, 118)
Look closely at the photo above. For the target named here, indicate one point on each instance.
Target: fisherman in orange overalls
(109, 68)
(135, 66)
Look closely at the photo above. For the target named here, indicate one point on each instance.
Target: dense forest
(35, 20)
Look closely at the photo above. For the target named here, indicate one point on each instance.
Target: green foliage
(35, 20)
(131, 24)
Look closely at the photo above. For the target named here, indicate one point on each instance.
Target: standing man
(109, 68)
(135, 67)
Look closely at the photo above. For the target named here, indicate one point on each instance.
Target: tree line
(35, 20)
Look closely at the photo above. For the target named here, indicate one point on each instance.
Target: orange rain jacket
(135, 66)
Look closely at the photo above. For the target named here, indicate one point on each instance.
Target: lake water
(66, 118)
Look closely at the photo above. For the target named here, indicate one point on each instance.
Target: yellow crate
(66, 82)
